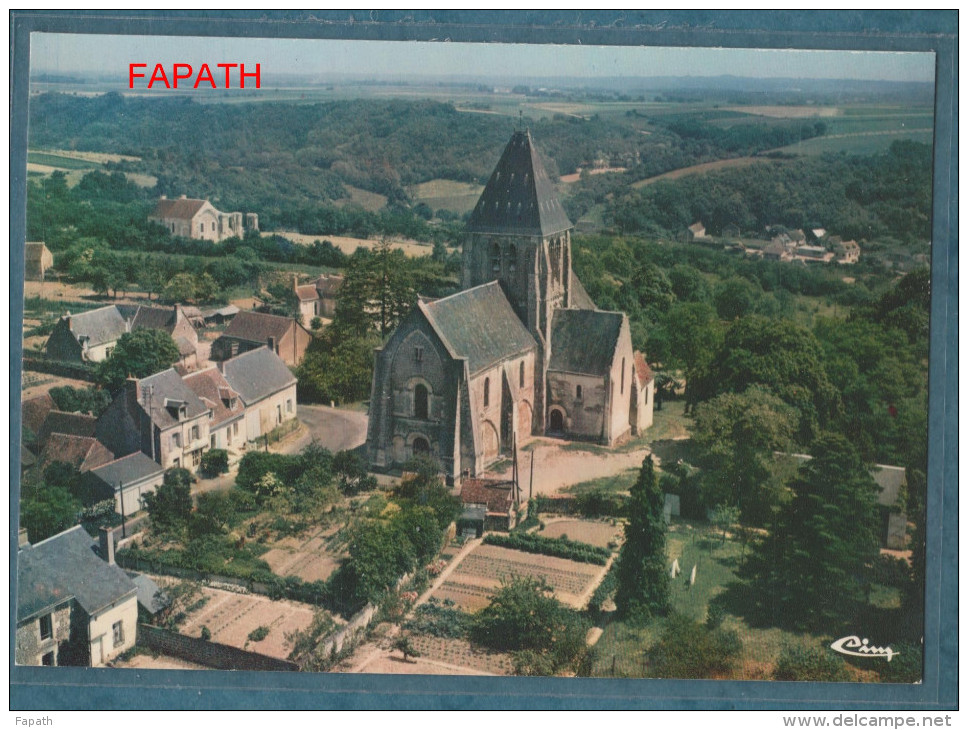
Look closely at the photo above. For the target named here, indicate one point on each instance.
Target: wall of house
(229, 436)
(264, 415)
(292, 346)
(584, 418)
(169, 452)
(307, 310)
(133, 495)
(30, 649)
(101, 630)
(61, 344)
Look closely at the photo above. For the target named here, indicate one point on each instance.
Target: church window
(418, 354)
(622, 391)
(496, 258)
(421, 402)
(578, 392)
(521, 375)
(512, 256)
(487, 392)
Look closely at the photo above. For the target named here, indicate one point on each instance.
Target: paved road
(334, 428)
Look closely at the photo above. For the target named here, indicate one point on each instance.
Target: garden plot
(305, 557)
(479, 575)
(597, 533)
(231, 617)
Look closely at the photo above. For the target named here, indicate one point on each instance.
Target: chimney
(107, 544)
(22, 539)
(295, 280)
(70, 322)
(177, 312)
(133, 387)
(272, 343)
(182, 197)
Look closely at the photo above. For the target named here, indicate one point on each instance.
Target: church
(520, 351)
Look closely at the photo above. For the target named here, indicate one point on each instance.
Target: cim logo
(855, 646)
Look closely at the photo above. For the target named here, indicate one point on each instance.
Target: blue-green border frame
(81, 689)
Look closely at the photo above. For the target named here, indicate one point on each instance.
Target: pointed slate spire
(519, 199)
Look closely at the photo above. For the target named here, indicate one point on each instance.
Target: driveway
(335, 429)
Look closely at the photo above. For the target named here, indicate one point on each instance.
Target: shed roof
(519, 198)
(150, 597)
(479, 324)
(64, 566)
(99, 326)
(134, 468)
(642, 368)
(497, 495)
(184, 208)
(257, 374)
(258, 327)
(34, 411)
(73, 424)
(583, 341)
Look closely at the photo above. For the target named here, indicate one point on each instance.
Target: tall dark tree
(814, 568)
(643, 581)
(170, 506)
(139, 354)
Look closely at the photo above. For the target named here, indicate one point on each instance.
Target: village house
(73, 607)
(266, 387)
(489, 504)
(37, 259)
(160, 416)
(70, 424)
(317, 298)
(252, 330)
(194, 218)
(521, 351)
(847, 252)
(126, 480)
(695, 232)
(83, 452)
(225, 404)
(775, 251)
(813, 254)
(91, 336)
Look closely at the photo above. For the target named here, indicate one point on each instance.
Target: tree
(46, 511)
(405, 646)
(643, 581)
(815, 566)
(138, 354)
(738, 435)
(689, 650)
(724, 516)
(377, 292)
(170, 506)
(523, 617)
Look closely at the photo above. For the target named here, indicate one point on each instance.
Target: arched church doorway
(421, 402)
(556, 421)
(420, 446)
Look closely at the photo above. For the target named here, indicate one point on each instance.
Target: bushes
(605, 590)
(259, 633)
(439, 619)
(810, 664)
(557, 548)
(689, 650)
(215, 462)
(599, 503)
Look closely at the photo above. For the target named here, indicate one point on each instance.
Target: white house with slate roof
(159, 416)
(127, 480)
(267, 388)
(73, 607)
(522, 350)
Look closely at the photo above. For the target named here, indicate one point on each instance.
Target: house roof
(519, 198)
(228, 311)
(84, 452)
(100, 326)
(35, 250)
(212, 387)
(583, 341)
(697, 227)
(642, 368)
(168, 387)
(33, 411)
(136, 467)
(307, 292)
(73, 424)
(478, 324)
(184, 208)
(579, 297)
(258, 327)
(328, 284)
(150, 597)
(497, 495)
(257, 374)
(64, 566)
(155, 318)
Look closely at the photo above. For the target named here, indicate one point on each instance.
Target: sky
(109, 54)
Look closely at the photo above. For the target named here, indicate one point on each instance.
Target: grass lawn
(66, 163)
(616, 483)
(621, 651)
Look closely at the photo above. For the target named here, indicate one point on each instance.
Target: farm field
(599, 533)
(363, 198)
(305, 556)
(452, 195)
(480, 573)
(230, 617)
(701, 169)
(348, 244)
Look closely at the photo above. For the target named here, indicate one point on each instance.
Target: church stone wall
(584, 417)
(621, 379)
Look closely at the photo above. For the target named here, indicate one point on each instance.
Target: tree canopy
(137, 354)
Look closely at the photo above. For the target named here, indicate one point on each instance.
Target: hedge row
(557, 547)
(606, 590)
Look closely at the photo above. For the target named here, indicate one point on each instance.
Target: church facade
(520, 351)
